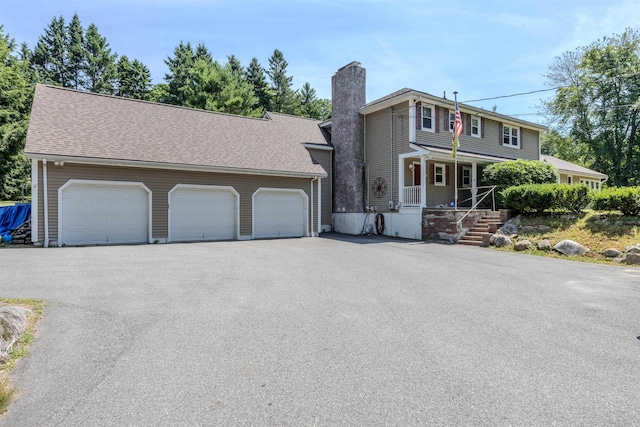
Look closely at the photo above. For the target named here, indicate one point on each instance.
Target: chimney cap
(350, 64)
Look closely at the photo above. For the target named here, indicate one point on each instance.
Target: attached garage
(202, 212)
(279, 213)
(103, 212)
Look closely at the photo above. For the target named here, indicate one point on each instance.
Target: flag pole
(455, 163)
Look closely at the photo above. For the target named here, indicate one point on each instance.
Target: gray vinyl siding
(325, 159)
(387, 136)
(160, 182)
(490, 145)
(440, 194)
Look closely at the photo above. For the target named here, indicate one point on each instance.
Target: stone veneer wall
(440, 224)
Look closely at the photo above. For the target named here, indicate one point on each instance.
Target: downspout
(319, 206)
(366, 163)
(45, 200)
(34, 200)
(314, 179)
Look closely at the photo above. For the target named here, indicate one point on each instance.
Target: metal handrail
(484, 196)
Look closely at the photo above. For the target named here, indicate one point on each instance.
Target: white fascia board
(317, 146)
(171, 166)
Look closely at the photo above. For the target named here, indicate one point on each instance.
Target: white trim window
(591, 183)
(452, 120)
(476, 127)
(510, 136)
(466, 176)
(439, 177)
(428, 119)
(569, 179)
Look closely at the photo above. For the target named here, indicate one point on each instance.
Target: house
(570, 173)
(111, 170)
(392, 157)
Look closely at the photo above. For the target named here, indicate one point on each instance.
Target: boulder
(13, 323)
(499, 240)
(570, 248)
(523, 245)
(631, 258)
(509, 229)
(611, 253)
(544, 245)
(632, 249)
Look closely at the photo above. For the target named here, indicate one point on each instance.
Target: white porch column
(423, 181)
(401, 181)
(474, 183)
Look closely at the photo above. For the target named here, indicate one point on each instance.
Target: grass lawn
(595, 230)
(20, 349)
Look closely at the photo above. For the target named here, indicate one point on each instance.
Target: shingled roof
(67, 123)
(567, 167)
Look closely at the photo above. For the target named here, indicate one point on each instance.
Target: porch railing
(411, 196)
(483, 196)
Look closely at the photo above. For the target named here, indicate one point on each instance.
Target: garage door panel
(279, 214)
(104, 214)
(203, 214)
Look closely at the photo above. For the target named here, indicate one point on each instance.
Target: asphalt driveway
(324, 331)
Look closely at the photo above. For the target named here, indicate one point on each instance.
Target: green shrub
(623, 199)
(543, 197)
(519, 172)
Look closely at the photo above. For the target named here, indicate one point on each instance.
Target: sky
(479, 48)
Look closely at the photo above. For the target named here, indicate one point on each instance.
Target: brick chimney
(348, 94)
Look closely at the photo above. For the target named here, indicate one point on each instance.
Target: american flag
(457, 130)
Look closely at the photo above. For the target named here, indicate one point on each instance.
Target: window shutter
(445, 113)
(500, 134)
(446, 174)
(437, 118)
(467, 123)
(482, 127)
(418, 115)
(432, 173)
(459, 176)
(520, 138)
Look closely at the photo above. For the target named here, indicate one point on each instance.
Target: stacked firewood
(22, 234)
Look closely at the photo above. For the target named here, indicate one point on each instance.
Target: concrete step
(470, 243)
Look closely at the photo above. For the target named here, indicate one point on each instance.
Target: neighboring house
(113, 170)
(570, 173)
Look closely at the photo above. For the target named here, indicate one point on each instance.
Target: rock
(509, 229)
(499, 240)
(611, 253)
(632, 249)
(13, 323)
(570, 248)
(631, 258)
(544, 227)
(544, 245)
(522, 245)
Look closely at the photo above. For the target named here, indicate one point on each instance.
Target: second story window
(476, 126)
(427, 118)
(510, 136)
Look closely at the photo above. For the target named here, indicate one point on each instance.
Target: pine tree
(307, 98)
(16, 93)
(236, 67)
(283, 99)
(180, 78)
(49, 55)
(101, 63)
(257, 78)
(76, 62)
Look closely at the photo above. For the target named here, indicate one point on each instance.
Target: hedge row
(623, 199)
(542, 197)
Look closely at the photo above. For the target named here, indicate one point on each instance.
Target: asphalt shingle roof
(563, 165)
(70, 123)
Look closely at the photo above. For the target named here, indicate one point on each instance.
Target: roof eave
(172, 166)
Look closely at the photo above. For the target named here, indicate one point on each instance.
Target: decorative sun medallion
(379, 187)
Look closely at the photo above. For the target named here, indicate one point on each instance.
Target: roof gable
(71, 123)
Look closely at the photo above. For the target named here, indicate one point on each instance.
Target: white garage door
(279, 213)
(202, 213)
(94, 214)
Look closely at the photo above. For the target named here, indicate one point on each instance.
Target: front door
(416, 174)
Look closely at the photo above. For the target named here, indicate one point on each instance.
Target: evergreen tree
(159, 93)
(180, 78)
(236, 67)
(309, 106)
(101, 63)
(49, 55)
(75, 54)
(257, 79)
(283, 99)
(16, 94)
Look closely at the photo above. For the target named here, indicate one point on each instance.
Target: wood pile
(22, 234)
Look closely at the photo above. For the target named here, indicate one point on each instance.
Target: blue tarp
(12, 217)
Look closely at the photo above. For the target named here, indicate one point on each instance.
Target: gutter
(174, 166)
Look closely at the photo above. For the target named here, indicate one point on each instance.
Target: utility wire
(514, 94)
